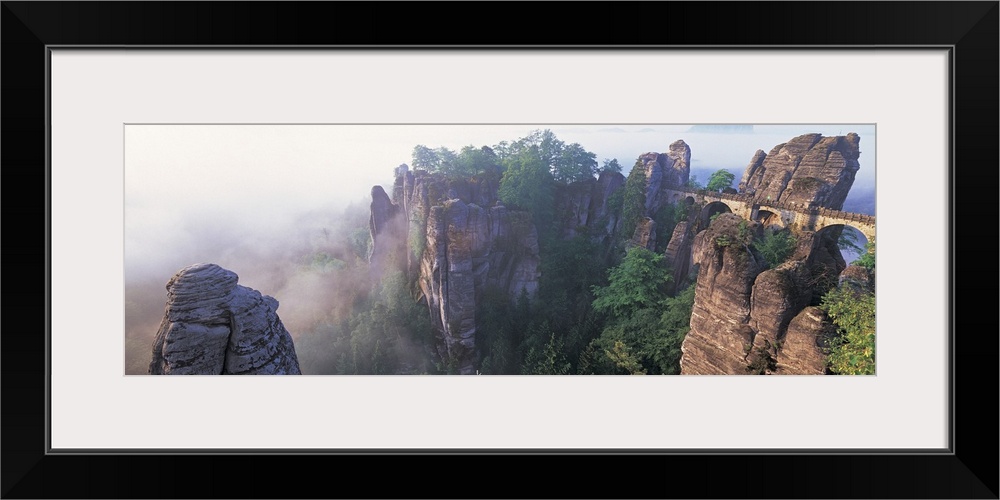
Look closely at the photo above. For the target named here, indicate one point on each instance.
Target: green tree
(648, 340)
(867, 258)
(676, 316)
(495, 330)
(573, 163)
(633, 200)
(849, 241)
(720, 180)
(565, 163)
(761, 361)
(550, 360)
(447, 162)
(386, 332)
(636, 283)
(667, 218)
(776, 246)
(359, 241)
(611, 165)
(527, 184)
(549, 146)
(472, 160)
(623, 358)
(852, 352)
(424, 157)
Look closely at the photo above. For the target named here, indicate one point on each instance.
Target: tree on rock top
(720, 180)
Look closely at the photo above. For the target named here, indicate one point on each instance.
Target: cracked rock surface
(214, 326)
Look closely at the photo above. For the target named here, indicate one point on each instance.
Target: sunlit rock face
(807, 170)
(742, 309)
(777, 296)
(213, 326)
(720, 336)
(802, 352)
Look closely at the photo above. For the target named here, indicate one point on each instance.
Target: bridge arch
(822, 218)
(768, 218)
(709, 210)
(851, 240)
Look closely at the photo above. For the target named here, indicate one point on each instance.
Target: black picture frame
(968, 471)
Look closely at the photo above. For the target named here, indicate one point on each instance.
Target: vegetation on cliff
(853, 312)
(602, 305)
(776, 246)
(851, 307)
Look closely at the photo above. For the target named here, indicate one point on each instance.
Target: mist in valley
(286, 207)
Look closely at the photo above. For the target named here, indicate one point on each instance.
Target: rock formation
(573, 207)
(469, 248)
(771, 299)
(583, 207)
(747, 318)
(603, 219)
(720, 337)
(776, 297)
(213, 326)
(387, 226)
(678, 255)
(659, 172)
(857, 277)
(645, 234)
(455, 240)
(802, 349)
(663, 170)
(808, 170)
(743, 310)
(458, 241)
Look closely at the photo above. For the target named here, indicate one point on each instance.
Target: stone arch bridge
(809, 218)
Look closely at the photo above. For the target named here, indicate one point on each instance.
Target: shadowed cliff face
(583, 208)
(214, 326)
(662, 170)
(387, 227)
(678, 254)
(467, 249)
(457, 241)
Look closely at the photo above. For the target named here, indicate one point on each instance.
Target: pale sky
(185, 183)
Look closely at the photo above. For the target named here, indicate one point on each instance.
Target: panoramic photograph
(537, 249)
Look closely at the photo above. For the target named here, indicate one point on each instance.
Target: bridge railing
(825, 212)
(851, 216)
(794, 207)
